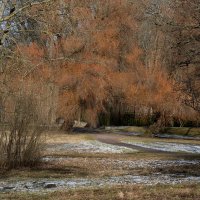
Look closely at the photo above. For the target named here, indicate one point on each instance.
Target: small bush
(21, 137)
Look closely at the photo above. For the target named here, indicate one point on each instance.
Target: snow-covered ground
(52, 185)
(133, 164)
(45, 185)
(169, 147)
(99, 147)
(35, 185)
(129, 164)
(89, 147)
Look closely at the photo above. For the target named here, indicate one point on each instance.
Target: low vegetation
(184, 131)
(21, 137)
(71, 164)
(178, 192)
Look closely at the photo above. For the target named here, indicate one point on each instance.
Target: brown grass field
(90, 165)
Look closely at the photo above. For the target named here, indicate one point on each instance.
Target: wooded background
(106, 62)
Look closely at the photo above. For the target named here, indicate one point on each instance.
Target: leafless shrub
(21, 138)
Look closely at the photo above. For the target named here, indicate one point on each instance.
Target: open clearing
(78, 162)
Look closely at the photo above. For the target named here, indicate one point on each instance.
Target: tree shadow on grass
(45, 171)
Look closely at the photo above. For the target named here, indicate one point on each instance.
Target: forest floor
(108, 165)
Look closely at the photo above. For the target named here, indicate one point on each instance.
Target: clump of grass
(185, 131)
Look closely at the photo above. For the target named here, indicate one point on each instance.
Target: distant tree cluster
(94, 60)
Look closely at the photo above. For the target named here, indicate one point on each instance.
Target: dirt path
(116, 140)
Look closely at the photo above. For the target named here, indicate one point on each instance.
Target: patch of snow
(90, 147)
(133, 164)
(168, 147)
(129, 164)
(42, 185)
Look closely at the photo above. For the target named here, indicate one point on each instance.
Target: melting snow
(52, 185)
(169, 147)
(90, 147)
(130, 164)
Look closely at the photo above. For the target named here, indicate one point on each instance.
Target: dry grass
(148, 140)
(183, 131)
(159, 192)
(86, 164)
(90, 165)
(137, 129)
(58, 137)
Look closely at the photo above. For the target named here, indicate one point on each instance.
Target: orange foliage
(84, 89)
(98, 66)
(110, 70)
(31, 51)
